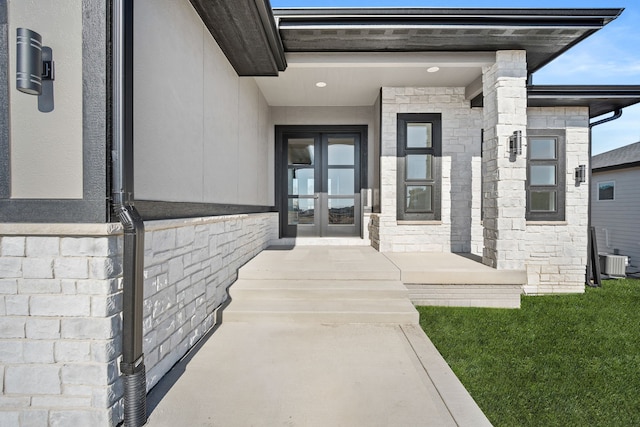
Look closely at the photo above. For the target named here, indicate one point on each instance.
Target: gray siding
(617, 221)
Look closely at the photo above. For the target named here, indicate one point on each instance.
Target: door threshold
(321, 241)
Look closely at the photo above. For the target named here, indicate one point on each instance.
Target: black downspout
(616, 115)
(132, 364)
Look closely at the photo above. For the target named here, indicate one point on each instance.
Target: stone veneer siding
(189, 264)
(61, 303)
(556, 252)
(60, 326)
(460, 229)
(504, 176)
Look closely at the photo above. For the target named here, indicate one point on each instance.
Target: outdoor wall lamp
(581, 174)
(515, 143)
(34, 68)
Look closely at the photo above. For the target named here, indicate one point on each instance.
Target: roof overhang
(543, 33)
(246, 32)
(600, 99)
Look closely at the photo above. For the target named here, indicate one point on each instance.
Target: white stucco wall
(201, 132)
(556, 252)
(46, 148)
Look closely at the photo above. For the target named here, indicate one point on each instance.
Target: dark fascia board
(604, 13)
(246, 32)
(601, 99)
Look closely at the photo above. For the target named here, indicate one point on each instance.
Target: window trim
(436, 178)
(560, 187)
(611, 181)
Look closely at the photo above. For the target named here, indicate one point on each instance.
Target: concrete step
(398, 311)
(494, 296)
(317, 289)
(435, 268)
(320, 263)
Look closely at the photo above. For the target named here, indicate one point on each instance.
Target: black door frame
(281, 166)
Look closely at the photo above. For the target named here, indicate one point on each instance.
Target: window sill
(403, 222)
(547, 223)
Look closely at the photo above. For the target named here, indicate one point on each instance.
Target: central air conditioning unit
(613, 265)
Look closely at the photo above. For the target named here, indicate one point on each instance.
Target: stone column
(504, 175)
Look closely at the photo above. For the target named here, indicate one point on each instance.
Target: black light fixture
(34, 68)
(581, 174)
(515, 143)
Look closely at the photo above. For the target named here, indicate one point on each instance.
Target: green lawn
(570, 360)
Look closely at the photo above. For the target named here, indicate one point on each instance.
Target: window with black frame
(545, 176)
(419, 176)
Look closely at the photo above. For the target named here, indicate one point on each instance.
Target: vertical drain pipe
(132, 364)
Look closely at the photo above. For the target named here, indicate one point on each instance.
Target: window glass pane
(341, 151)
(341, 182)
(301, 181)
(419, 135)
(543, 201)
(543, 175)
(542, 148)
(606, 190)
(301, 211)
(418, 166)
(418, 198)
(300, 151)
(341, 211)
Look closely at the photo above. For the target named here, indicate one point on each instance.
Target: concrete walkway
(251, 372)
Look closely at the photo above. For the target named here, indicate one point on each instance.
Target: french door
(320, 182)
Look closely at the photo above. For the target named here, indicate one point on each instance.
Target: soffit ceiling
(356, 79)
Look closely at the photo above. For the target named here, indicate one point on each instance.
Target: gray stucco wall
(49, 199)
(202, 133)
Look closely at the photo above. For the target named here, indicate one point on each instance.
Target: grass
(563, 360)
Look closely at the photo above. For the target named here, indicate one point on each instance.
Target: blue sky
(611, 56)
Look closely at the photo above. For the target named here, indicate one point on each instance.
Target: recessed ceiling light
(321, 84)
(433, 69)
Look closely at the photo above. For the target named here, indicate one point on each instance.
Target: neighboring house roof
(620, 158)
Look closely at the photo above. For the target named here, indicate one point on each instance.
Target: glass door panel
(302, 172)
(342, 183)
(342, 211)
(341, 151)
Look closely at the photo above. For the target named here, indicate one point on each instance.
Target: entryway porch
(429, 278)
(314, 336)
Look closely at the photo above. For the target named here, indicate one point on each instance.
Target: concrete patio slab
(450, 268)
(268, 374)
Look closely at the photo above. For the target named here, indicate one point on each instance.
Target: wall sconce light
(34, 68)
(581, 174)
(515, 143)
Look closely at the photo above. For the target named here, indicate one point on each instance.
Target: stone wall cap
(64, 229)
